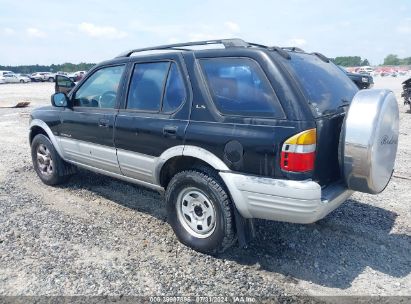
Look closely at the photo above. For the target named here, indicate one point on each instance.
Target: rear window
(239, 87)
(325, 85)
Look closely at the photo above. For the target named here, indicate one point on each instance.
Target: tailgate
(327, 168)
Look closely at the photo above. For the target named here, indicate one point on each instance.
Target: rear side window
(326, 86)
(240, 87)
(156, 86)
(146, 88)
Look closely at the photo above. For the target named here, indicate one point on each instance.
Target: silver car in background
(15, 78)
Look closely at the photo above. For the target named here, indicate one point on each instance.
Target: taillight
(298, 152)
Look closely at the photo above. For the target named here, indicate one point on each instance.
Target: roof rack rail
(322, 57)
(293, 49)
(280, 51)
(257, 45)
(227, 43)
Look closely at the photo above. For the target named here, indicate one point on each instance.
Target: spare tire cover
(369, 140)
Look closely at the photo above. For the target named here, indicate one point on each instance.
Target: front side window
(100, 89)
(239, 87)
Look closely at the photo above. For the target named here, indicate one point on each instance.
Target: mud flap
(245, 229)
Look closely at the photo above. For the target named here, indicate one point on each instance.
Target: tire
(368, 144)
(21, 81)
(51, 79)
(50, 167)
(203, 196)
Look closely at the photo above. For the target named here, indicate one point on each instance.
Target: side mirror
(63, 84)
(60, 100)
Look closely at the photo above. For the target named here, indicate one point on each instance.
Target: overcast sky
(54, 31)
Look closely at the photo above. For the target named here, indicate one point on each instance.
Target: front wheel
(200, 211)
(21, 81)
(49, 166)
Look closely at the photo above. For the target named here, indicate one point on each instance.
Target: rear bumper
(283, 200)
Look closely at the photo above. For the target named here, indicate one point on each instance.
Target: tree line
(345, 61)
(65, 67)
(390, 59)
(393, 59)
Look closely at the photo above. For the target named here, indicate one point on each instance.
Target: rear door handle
(103, 122)
(170, 131)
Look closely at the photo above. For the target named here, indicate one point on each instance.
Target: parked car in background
(25, 75)
(77, 76)
(406, 94)
(2, 79)
(43, 76)
(365, 70)
(362, 81)
(364, 73)
(14, 78)
(23, 78)
(36, 77)
(2, 73)
(11, 78)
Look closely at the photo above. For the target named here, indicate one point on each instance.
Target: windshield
(326, 86)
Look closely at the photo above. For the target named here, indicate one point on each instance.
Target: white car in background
(2, 79)
(43, 76)
(23, 78)
(365, 69)
(13, 78)
(2, 73)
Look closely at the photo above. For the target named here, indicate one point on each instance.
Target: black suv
(362, 81)
(228, 134)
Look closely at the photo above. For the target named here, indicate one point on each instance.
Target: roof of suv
(233, 43)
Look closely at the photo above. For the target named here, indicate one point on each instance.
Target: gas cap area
(233, 153)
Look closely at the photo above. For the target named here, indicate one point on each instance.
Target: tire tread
(213, 180)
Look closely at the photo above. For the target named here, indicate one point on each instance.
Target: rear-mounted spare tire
(369, 141)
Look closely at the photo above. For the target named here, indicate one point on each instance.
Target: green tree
(406, 61)
(348, 60)
(392, 59)
(365, 62)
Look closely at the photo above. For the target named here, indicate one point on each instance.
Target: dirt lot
(97, 235)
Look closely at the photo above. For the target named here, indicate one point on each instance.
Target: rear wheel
(51, 79)
(200, 211)
(21, 81)
(49, 166)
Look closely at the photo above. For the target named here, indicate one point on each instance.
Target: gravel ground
(100, 236)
